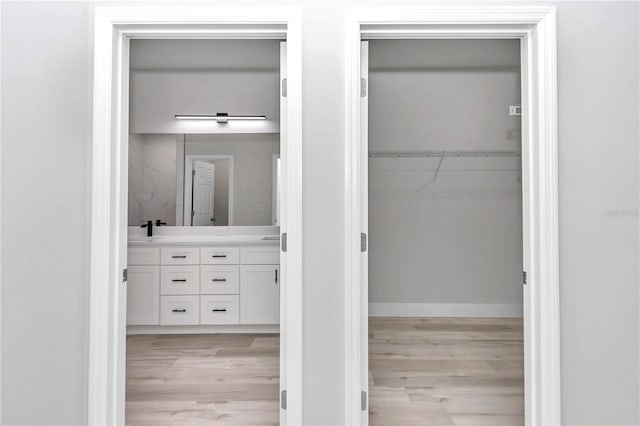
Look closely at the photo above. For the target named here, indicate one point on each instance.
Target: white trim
(188, 182)
(179, 179)
(457, 310)
(0, 235)
(114, 27)
(274, 189)
(535, 27)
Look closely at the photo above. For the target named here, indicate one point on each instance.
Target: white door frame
(536, 28)
(274, 190)
(188, 167)
(114, 27)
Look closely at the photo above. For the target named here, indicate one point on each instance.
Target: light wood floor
(197, 379)
(422, 371)
(446, 371)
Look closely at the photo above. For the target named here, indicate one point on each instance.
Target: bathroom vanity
(203, 198)
(202, 284)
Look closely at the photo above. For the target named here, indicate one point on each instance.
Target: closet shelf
(444, 153)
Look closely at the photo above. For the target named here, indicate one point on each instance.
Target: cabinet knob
(179, 310)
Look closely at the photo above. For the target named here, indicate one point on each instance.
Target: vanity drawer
(179, 279)
(143, 256)
(260, 255)
(219, 279)
(180, 256)
(220, 309)
(179, 310)
(220, 256)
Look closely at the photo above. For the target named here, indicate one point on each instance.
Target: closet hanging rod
(444, 153)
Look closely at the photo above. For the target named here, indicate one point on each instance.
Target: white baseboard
(445, 310)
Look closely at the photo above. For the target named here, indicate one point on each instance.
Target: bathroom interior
(203, 288)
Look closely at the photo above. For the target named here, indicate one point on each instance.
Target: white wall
(457, 240)
(46, 117)
(157, 96)
(237, 77)
(202, 55)
(598, 113)
(46, 124)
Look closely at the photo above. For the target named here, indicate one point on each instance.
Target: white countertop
(203, 240)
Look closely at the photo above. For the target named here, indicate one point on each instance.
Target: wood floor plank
(452, 371)
(191, 380)
(423, 371)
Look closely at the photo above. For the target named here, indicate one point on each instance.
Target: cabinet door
(180, 255)
(219, 256)
(219, 279)
(180, 310)
(179, 279)
(219, 309)
(143, 295)
(259, 294)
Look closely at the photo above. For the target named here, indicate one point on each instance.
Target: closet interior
(445, 232)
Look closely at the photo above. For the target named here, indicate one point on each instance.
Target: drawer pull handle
(218, 255)
(182, 256)
(219, 280)
(179, 310)
(218, 310)
(181, 280)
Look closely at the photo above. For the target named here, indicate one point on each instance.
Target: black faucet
(149, 226)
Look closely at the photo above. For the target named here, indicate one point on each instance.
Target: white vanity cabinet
(203, 286)
(260, 290)
(260, 285)
(143, 286)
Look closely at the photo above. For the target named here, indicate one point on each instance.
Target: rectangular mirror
(204, 179)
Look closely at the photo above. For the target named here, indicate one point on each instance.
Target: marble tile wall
(152, 178)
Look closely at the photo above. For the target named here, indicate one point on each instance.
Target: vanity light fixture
(220, 117)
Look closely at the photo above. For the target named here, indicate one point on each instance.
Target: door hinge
(193, 213)
(284, 87)
(283, 241)
(363, 400)
(524, 277)
(363, 241)
(363, 87)
(515, 110)
(283, 400)
(125, 275)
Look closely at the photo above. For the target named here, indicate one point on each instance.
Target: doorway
(445, 232)
(535, 31)
(115, 28)
(222, 187)
(203, 294)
